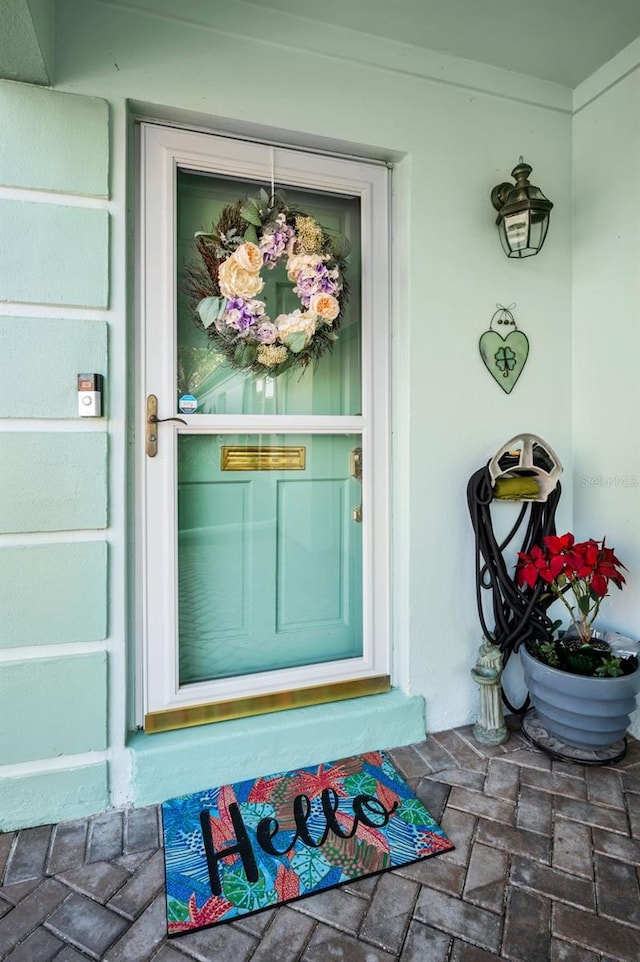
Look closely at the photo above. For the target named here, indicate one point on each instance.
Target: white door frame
(162, 151)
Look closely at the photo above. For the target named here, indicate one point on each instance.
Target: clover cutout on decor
(504, 350)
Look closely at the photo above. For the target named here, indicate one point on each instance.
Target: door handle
(151, 435)
(356, 472)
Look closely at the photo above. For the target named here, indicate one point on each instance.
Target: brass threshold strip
(188, 717)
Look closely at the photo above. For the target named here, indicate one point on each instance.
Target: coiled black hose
(520, 614)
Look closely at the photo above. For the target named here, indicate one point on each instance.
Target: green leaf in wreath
(247, 895)
(296, 341)
(414, 812)
(245, 354)
(281, 368)
(250, 235)
(340, 245)
(251, 214)
(210, 309)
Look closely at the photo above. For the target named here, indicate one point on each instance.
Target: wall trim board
(16, 309)
(47, 425)
(58, 763)
(18, 538)
(61, 650)
(38, 196)
(395, 57)
(607, 76)
(179, 118)
(54, 794)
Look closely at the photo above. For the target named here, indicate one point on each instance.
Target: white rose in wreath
(326, 306)
(236, 281)
(296, 323)
(249, 257)
(299, 261)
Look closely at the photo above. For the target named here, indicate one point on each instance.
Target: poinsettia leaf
(251, 214)
(210, 309)
(584, 604)
(251, 235)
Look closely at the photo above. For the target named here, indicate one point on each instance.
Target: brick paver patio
(546, 869)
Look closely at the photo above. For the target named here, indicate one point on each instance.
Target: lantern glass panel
(516, 227)
(539, 224)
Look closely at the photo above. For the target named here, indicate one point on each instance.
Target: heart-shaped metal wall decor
(504, 352)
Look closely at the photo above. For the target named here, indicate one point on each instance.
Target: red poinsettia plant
(585, 569)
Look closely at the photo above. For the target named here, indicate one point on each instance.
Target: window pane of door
(334, 385)
(269, 552)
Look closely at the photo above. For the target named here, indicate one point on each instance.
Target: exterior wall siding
(54, 292)
(53, 594)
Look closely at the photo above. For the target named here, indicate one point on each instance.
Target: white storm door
(264, 514)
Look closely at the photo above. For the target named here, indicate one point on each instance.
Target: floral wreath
(255, 235)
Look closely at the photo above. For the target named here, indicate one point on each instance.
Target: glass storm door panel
(334, 386)
(264, 528)
(269, 553)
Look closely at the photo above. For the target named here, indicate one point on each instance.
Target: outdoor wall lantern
(523, 213)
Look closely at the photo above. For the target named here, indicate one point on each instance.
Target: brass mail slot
(268, 458)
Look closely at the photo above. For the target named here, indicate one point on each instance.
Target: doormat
(238, 849)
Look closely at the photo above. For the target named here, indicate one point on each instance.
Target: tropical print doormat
(238, 849)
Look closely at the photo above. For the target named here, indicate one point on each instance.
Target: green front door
(269, 553)
(269, 565)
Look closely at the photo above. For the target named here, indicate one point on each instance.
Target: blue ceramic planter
(587, 713)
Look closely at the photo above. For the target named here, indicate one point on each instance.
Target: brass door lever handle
(356, 472)
(152, 418)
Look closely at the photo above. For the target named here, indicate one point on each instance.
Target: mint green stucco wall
(27, 39)
(606, 354)
(41, 587)
(453, 130)
(54, 292)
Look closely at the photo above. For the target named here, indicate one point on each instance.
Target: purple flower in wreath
(276, 243)
(316, 279)
(267, 333)
(241, 314)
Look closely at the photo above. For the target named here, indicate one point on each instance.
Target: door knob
(153, 419)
